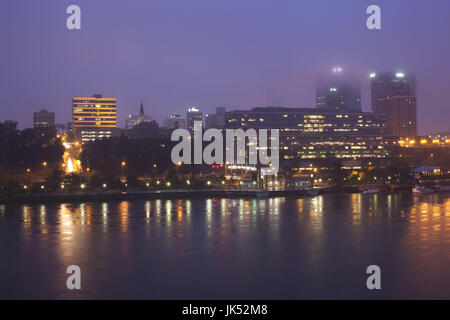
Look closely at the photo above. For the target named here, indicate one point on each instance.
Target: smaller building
(44, 122)
(134, 120)
(9, 126)
(431, 176)
(175, 121)
(302, 183)
(144, 130)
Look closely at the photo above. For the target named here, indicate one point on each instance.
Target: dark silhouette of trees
(21, 150)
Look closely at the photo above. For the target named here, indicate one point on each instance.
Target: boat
(422, 190)
(371, 191)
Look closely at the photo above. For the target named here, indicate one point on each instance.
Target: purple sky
(209, 53)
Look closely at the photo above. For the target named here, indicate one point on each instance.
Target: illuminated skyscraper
(339, 90)
(193, 114)
(94, 117)
(401, 116)
(394, 94)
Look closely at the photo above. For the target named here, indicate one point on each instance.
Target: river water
(281, 248)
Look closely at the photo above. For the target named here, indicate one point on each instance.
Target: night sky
(210, 53)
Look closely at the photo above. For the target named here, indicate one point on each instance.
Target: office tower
(217, 120)
(401, 116)
(94, 117)
(43, 120)
(339, 90)
(193, 115)
(394, 94)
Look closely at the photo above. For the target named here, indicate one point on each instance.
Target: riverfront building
(311, 133)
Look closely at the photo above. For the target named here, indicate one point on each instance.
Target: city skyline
(227, 54)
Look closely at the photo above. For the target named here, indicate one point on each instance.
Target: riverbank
(165, 194)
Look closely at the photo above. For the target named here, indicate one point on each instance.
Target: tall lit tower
(394, 94)
(193, 114)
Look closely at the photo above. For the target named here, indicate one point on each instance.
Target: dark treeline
(27, 149)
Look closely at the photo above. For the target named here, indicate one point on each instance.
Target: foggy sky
(209, 53)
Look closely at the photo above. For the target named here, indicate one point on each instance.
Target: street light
(123, 166)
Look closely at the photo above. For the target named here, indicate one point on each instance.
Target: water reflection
(304, 237)
(422, 213)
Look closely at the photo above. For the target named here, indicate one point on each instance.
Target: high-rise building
(339, 90)
(390, 84)
(394, 94)
(94, 117)
(44, 120)
(193, 115)
(401, 116)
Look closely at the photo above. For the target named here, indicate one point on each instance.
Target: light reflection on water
(312, 247)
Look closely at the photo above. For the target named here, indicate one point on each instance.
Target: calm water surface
(314, 247)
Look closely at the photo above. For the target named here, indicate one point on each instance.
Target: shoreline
(168, 194)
